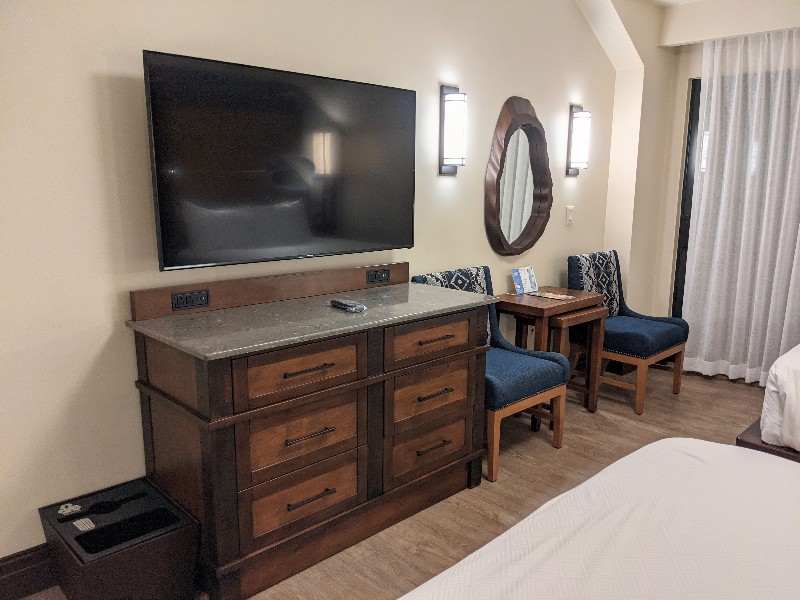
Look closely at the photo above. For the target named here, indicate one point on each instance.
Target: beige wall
(689, 66)
(77, 230)
(642, 21)
(713, 19)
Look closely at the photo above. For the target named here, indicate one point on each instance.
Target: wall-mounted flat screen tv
(253, 164)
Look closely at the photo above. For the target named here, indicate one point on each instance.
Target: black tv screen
(253, 164)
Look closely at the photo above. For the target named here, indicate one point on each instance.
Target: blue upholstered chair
(630, 338)
(516, 379)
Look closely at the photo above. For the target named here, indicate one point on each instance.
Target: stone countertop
(237, 331)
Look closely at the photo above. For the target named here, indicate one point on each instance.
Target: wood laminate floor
(398, 559)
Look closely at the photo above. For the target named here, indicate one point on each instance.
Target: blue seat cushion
(641, 338)
(514, 376)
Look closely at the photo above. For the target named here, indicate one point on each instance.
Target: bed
(679, 518)
(780, 415)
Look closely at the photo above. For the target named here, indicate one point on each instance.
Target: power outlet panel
(378, 276)
(194, 299)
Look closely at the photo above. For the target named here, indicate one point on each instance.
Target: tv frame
(154, 166)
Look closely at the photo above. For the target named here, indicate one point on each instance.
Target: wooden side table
(545, 314)
(537, 311)
(595, 318)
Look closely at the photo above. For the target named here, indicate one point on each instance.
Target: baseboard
(26, 573)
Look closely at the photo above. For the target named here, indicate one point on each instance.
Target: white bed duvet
(679, 518)
(780, 416)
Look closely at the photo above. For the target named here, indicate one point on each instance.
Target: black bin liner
(98, 524)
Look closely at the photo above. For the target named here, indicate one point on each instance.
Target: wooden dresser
(292, 430)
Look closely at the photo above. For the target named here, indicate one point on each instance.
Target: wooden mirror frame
(517, 113)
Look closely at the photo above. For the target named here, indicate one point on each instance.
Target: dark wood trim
(474, 472)
(421, 376)
(267, 566)
(156, 303)
(144, 402)
(290, 410)
(369, 381)
(479, 403)
(517, 113)
(374, 352)
(152, 392)
(393, 364)
(249, 542)
(26, 572)
(751, 438)
(244, 400)
(482, 326)
(147, 434)
(220, 495)
(375, 430)
(448, 415)
(174, 372)
(215, 388)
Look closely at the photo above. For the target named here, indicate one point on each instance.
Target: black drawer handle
(309, 436)
(296, 505)
(441, 444)
(444, 338)
(435, 395)
(321, 367)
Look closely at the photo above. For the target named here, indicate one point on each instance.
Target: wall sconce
(580, 126)
(452, 130)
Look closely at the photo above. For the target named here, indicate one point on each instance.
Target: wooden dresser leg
(492, 443)
(225, 588)
(474, 473)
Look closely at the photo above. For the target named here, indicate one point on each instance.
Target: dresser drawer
(284, 506)
(422, 395)
(297, 433)
(423, 449)
(274, 376)
(432, 338)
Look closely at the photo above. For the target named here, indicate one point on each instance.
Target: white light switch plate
(570, 215)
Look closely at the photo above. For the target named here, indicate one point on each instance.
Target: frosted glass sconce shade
(580, 128)
(453, 130)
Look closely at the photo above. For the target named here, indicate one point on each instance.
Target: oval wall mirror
(518, 185)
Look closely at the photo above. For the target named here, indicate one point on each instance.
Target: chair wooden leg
(558, 404)
(641, 387)
(492, 443)
(678, 371)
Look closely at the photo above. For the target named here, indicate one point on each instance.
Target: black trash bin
(125, 542)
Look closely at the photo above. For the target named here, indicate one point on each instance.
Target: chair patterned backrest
(467, 279)
(598, 272)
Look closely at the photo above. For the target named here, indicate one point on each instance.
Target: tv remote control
(348, 305)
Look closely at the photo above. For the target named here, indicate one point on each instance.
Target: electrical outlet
(378, 276)
(570, 215)
(194, 299)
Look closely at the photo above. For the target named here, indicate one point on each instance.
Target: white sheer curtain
(742, 294)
